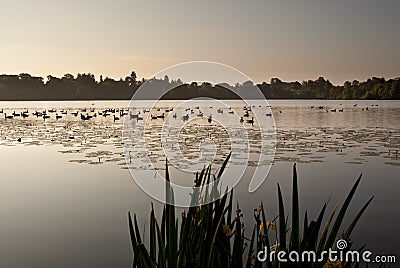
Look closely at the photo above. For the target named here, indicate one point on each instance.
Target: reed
(212, 235)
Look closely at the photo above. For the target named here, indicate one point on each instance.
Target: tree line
(85, 87)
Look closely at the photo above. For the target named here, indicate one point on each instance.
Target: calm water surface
(65, 189)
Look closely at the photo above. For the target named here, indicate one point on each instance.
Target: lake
(65, 186)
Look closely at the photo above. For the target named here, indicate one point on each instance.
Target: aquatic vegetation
(213, 235)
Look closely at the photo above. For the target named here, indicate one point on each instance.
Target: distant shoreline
(84, 87)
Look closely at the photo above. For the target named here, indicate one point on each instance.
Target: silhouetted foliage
(85, 87)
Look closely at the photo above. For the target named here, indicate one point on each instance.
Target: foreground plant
(212, 235)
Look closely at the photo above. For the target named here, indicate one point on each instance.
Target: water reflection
(65, 189)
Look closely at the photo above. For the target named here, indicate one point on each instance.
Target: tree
(166, 79)
(133, 77)
(68, 77)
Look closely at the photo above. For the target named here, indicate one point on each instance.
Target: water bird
(37, 113)
(115, 118)
(52, 110)
(200, 114)
(220, 110)
(75, 113)
(15, 114)
(8, 116)
(269, 114)
(88, 116)
(45, 116)
(241, 120)
(250, 121)
(58, 116)
(209, 119)
(134, 116)
(185, 117)
(162, 116)
(1, 111)
(341, 110)
(174, 116)
(84, 117)
(24, 115)
(19, 139)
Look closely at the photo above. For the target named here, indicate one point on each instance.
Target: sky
(292, 40)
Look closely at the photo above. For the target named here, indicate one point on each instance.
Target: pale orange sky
(292, 40)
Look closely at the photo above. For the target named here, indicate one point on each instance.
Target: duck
(8, 116)
(134, 116)
(84, 118)
(37, 113)
(250, 121)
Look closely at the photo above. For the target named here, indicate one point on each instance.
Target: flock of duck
(94, 135)
(85, 114)
(341, 109)
(117, 113)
